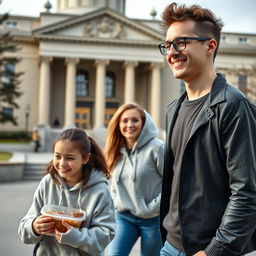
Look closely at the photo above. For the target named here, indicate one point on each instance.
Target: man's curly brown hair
(206, 23)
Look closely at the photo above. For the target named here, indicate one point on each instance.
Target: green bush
(15, 135)
(5, 156)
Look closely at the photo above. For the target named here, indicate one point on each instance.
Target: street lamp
(27, 110)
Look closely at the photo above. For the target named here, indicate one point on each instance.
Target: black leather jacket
(217, 195)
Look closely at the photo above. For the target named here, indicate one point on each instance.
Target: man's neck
(200, 86)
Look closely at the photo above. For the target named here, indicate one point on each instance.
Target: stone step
(33, 171)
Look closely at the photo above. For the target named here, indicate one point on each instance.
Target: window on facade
(242, 39)
(77, 116)
(84, 116)
(223, 39)
(110, 84)
(8, 111)
(10, 24)
(9, 70)
(82, 83)
(242, 83)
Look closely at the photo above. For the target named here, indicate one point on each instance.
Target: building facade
(82, 62)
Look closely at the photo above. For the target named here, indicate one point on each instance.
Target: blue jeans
(128, 230)
(169, 250)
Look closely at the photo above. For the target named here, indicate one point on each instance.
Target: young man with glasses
(208, 204)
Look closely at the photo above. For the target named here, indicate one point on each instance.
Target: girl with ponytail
(76, 177)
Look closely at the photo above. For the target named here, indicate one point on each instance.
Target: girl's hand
(200, 253)
(58, 234)
(43, 225)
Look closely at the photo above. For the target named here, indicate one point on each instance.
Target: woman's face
(68, 161)
(130, 125)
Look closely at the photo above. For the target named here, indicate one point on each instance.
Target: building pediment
(101, 25)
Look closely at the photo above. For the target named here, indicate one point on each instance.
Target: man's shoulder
(233, 94)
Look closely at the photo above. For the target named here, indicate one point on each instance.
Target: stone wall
(11, 171)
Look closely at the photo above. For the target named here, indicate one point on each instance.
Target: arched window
(110, 81)
(82, 83)
(242, 82)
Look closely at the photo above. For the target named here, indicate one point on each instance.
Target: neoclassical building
(88, 58)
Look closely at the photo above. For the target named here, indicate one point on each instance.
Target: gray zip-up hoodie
(137, 178)
(96, 232)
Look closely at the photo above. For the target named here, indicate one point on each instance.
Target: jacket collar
(217, 93)
(218, 90)
(216, 96)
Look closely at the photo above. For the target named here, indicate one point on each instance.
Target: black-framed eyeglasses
(178, 43)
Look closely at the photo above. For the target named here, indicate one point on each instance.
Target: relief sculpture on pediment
(104, 28)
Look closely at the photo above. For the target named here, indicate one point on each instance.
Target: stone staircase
(33, 171)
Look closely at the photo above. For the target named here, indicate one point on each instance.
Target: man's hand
(200, 253)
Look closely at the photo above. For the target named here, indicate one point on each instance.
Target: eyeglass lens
(179, 44)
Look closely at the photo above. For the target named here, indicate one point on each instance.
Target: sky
(238, 16)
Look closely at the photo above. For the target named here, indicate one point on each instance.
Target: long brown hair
(207, 24)
(86, 145)
(115, 139)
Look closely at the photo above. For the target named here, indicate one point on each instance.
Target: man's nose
(172, 51)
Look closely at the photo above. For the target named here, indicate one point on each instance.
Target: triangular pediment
(104, 24)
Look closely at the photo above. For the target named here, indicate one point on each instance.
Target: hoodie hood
(95, 178)
(148, 132)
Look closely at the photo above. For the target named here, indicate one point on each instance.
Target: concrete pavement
(15, 200)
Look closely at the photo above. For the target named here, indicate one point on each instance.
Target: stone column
(156, 92)
(70, 94)
(232, 76)
(44, 91)
(100, 92)
(129, 82)
(251, 84)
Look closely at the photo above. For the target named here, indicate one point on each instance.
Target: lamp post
(27, 110)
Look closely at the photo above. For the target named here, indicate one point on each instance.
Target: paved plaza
(15, 200)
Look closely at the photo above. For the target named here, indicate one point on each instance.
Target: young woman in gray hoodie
(77, 178)
(135, 158)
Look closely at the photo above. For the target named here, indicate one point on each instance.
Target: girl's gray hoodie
(98, 229)
(137, 178)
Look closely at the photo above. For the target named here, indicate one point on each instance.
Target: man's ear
(212, 45)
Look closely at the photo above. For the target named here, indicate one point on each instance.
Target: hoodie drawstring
(79, 198)
(61, 191)
(121, 169)
(135, 166)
